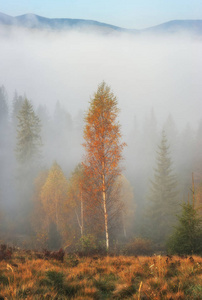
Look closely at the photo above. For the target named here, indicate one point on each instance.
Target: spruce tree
(3, 105)
(16, 107)
(187, 235)
(28, 136)
(6, 163)
(28, 154)
(163, 201)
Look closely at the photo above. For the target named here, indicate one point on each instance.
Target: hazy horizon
(145, 72)
(126, 14)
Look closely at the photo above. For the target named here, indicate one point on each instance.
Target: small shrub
(88, 245)
(88, 242)
(45, 282)
(72, 261)
(138, 246)
(57, 279)
(62, 288)
(187, 235)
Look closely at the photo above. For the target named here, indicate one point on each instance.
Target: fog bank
(163, 73)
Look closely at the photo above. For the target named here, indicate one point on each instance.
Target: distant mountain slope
(35, 21)
(193, 26)
(6, 20)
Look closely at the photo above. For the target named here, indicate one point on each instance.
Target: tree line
(95, 203)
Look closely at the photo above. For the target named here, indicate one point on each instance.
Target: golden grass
(158, 277)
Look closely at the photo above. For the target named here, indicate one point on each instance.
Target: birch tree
(75, 195)
(103, 148)
(54, 200)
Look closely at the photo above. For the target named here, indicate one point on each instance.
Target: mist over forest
(157, 82)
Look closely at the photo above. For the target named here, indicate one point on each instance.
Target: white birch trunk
(82, 223)
(56, 213)
(81, 219)
(105, 210)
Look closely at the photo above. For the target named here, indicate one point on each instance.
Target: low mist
(145, 72)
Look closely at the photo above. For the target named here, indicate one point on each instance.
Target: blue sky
(123, 13)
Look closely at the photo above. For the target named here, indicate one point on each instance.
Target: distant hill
(34, 21)
(38, 22)
(192, 26)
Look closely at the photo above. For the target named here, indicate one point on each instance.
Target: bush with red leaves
(58, 255)
(5, 252)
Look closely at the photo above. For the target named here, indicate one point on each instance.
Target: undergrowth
(24, 276)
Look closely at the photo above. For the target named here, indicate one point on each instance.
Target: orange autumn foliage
(104, 149)
(51, 204)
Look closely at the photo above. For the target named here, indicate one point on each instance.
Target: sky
(136, 14)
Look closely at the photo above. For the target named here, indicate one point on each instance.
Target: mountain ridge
(39, 22)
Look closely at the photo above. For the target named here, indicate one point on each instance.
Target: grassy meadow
(31, 275)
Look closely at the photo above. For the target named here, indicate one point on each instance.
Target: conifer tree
(199, 198)
(5, 140)
(28, 154)
(103, 154)
(4, 127)
(187, 235)
(28, 136)
(3, 106)
(163, 195)
(16, 107)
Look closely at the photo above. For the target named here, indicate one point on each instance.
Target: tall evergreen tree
(163, 200)
(5, 149)
(198, 198)
(29, 143)
(3, 119)
(62, 135)
(185, 158)
(28, 154)
(16, 107)
(3, 104)
(197, 161)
